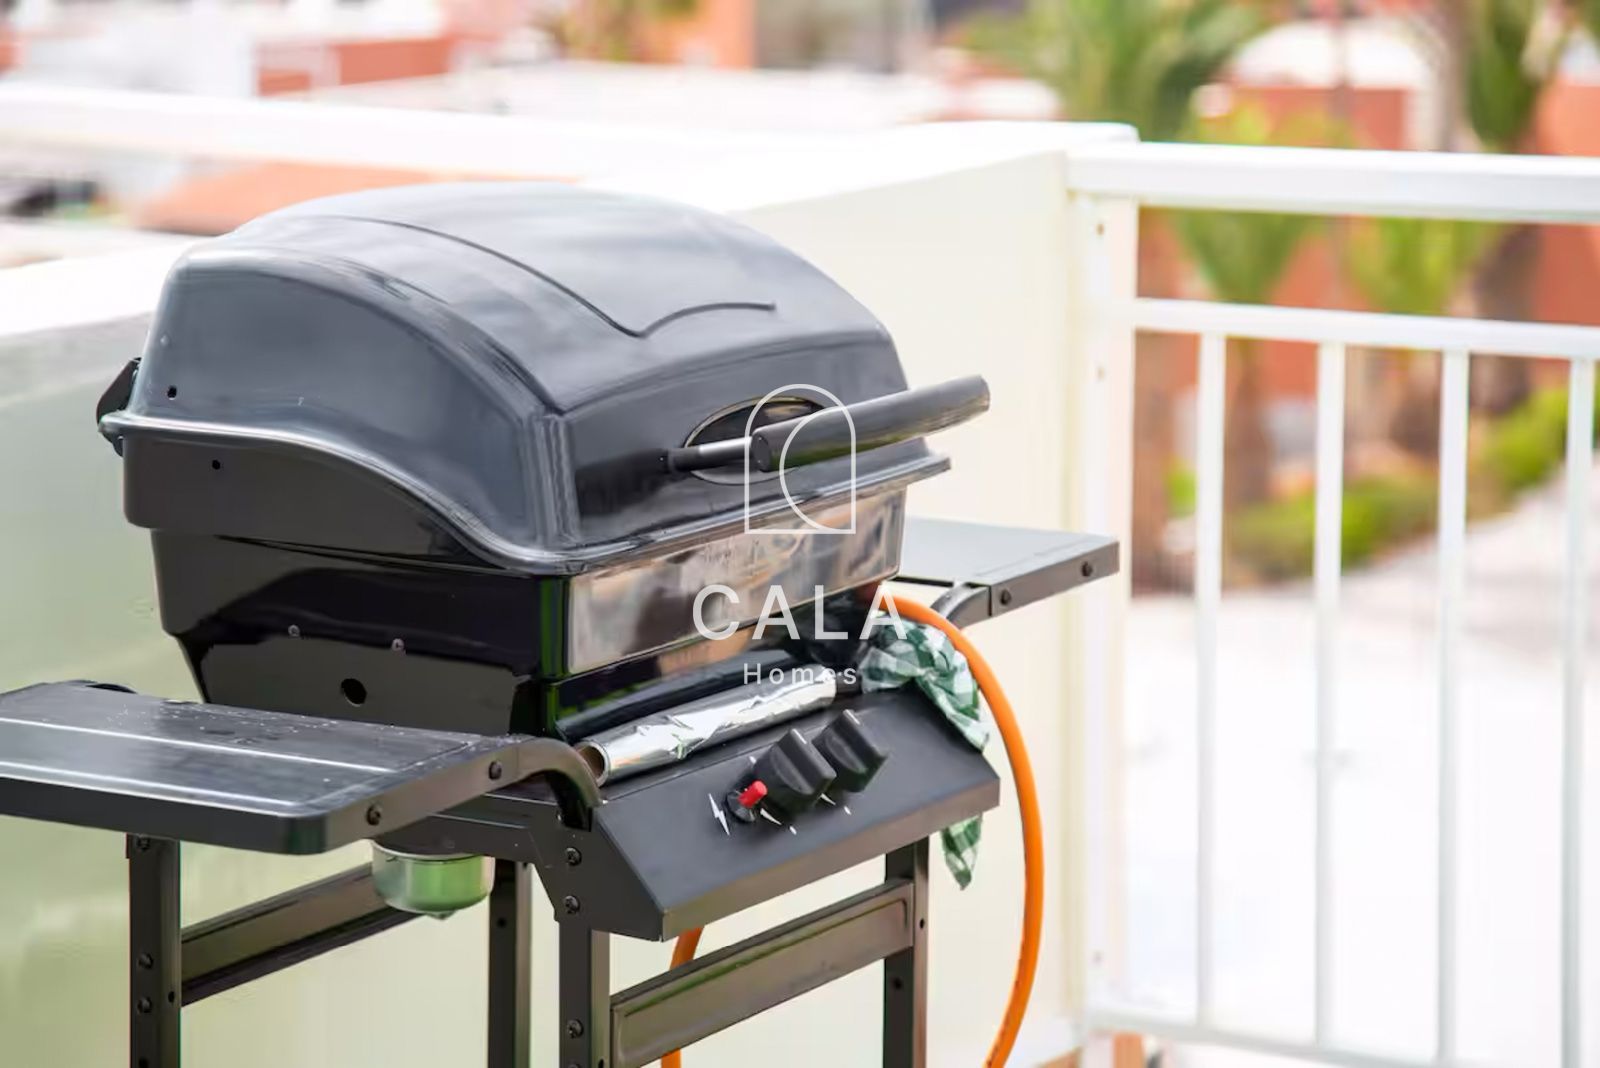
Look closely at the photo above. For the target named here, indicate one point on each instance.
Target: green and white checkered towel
(941, 672)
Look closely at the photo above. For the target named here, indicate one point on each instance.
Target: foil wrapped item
(667, 737)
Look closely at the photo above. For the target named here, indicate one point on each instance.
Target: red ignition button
(751, 795)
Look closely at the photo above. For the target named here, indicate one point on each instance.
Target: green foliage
(1132, 61)
(1414, 266)
(1277, 539)
(1180, 491)
(1506, 68)
(612, 29)
(1589, 10)
(1522, 449)
(1241, 255)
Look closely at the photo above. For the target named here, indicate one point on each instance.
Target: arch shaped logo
(806, 524)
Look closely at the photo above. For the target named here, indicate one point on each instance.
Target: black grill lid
(507, 355)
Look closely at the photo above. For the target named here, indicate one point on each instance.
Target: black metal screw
(571, 904)
(495, 770)
(374, 815)
(574, 858)
(146, 961)
(141, 844)
(143, 1005)
(574, 1029)
(294, 630)
(1087, 569)
(1005, 596)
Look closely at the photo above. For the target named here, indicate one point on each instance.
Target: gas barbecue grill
(466, 503)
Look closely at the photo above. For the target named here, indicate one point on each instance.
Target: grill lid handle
(829, 433)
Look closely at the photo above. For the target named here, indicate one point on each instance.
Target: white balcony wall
(962, 240)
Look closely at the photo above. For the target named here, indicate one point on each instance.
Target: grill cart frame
(439, 481)
(525, 802)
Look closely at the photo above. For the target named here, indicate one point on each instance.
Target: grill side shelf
(991, 570)
(101, 756)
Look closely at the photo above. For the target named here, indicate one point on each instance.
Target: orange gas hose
(1032, 837)
(682, 953)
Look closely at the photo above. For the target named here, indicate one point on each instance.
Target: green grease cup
(435, 885)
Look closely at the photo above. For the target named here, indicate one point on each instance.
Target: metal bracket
(510, 982)
(155, 954)
(905, 974)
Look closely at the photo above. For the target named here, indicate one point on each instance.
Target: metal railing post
(1104, 264)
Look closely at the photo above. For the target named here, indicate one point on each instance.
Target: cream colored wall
(960, 242)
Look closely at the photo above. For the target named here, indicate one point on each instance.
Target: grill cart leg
(509, 989)
(585, 981)
(905, 974)
(155, 974)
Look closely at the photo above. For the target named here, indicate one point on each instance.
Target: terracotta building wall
(1567, 288)
(362, 61)
(720, 33)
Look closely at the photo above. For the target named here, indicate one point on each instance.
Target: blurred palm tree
(1140, 62)
(1495, 59)
(1133, 61)
(1510, 58)
(1241, 256)
(1515, 47)
(1414, 267)
(616, 30)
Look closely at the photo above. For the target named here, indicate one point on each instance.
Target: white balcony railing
(960, 239)
(1334, 182)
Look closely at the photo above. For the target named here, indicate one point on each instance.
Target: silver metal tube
(667, 737)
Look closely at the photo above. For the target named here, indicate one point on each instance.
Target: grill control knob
(855, 754)
(795, 774)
